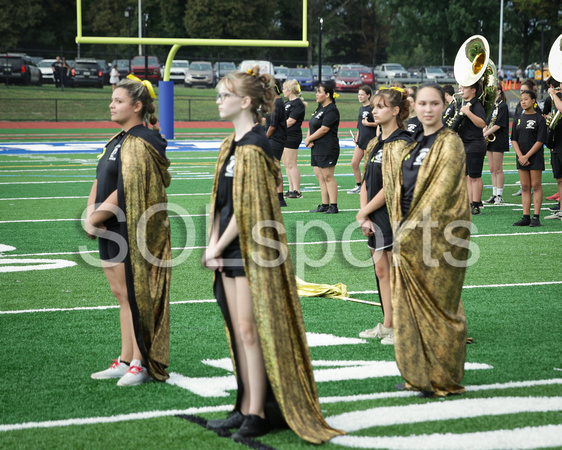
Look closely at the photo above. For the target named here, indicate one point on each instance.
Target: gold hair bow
(336, 95)
(298, 87)
(251, 72)
(394, 88)
(147, 84)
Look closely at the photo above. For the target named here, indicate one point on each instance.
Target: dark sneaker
(555, 208)
(294, 194)
(332, 210)
(535, 222)
(286, 194)
(235, 419)
(524, 222)
(321, 208)
(491, 200)
(475, 210)
(282, 203)
(253, 426)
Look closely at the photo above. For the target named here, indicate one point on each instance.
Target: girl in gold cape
(129, 198)
(263, 318)
(430, 254)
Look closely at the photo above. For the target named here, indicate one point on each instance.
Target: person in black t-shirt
(276, 132)
(366, 130)
(498, 127)
(556, 149)
(527, 138)
(57, 71)
(295, 108)
(470, 131)
(452, 105)
(131, 179)
(390, 108)
(322, 139)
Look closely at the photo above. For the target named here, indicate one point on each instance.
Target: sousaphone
(555, 59)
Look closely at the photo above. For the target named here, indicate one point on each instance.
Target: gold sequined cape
(276, 305)
(428, 270)
(143, 179)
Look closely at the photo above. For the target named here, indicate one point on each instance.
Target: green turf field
(59, 323)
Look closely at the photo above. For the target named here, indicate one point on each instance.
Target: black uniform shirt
(327, 116)
(277, 119)
(501, 113)
(365, 133)
(413, 124)
(529, 129)
(295, 109)
(471, 135)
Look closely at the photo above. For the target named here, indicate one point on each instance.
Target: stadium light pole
(129, 15)
(320, 23)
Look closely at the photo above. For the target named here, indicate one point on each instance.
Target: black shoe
(426, 394)
(491, 200)
(321, 208)
(535, 222)
(282, 202)
(253, 426)
(332, 210)
(294, 194)
(287, 194)
(475, 210)
(555, 208)
(234, 420)
(524, 222)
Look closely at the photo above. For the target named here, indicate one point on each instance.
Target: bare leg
(497, 159)
(331, 184)
(250, 356)
(382, 269)
(477, 187)
(469, 188)
(115, 274)
(323, 187)
(358, 154)
(525, 178)
(293, 173)
(536, 184)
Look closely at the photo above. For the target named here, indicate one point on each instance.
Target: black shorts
(234, 268)
(109, 248)
(277, 150)
(293, 142)
(380, 242)
(474, 164)
(322, 161)
(556, 161)
(536, 162)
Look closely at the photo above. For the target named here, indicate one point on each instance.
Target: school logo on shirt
(377, 159)
(365, 114)
(412, 127)
(113, 155)
(531, 124)
(319, 115)
(229, 172)
(421, 157)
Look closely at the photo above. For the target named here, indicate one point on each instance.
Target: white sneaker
(116, 370)
(556, 215)
(389, 340)
(378, 332)
(517, 193)
(355, 190)
(498, 200)
(136, 375)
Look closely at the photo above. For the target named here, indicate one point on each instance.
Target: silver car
(200, 73)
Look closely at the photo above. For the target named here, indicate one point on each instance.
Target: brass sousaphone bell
(555, 59)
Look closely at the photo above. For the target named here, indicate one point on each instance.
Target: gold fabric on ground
(276, 305)
(145, 177)
(428, 315)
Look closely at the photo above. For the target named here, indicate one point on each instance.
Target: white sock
(494, 191)
(500, 191)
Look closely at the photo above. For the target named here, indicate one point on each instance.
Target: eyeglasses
(224, 95)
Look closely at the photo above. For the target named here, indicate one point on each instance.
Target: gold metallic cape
(276, 305)
(428, 315)
(142, 181)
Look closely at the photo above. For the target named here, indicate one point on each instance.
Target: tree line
(414, 33)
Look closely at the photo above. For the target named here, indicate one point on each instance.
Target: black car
(86, 72)
(19, 68)
(106, 68)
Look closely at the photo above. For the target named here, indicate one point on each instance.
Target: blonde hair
(139, 93)
(293, 86)
(259, 87)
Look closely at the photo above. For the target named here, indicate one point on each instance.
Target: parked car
(365, 72)
(348, 80)
(432, 73)
(200, 73)
(327, 76)
(265, 66)
(106, 68)
(391, 71)
(222, 68)
(122, 67)
(138, 68)
(304, 77)
(177, 71)
(45, 66)
(19, 68)
(449, 71)
(281, 73)
(86, 72)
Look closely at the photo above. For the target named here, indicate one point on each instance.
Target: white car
(46, 70)
(177, 71)
(265, 66)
